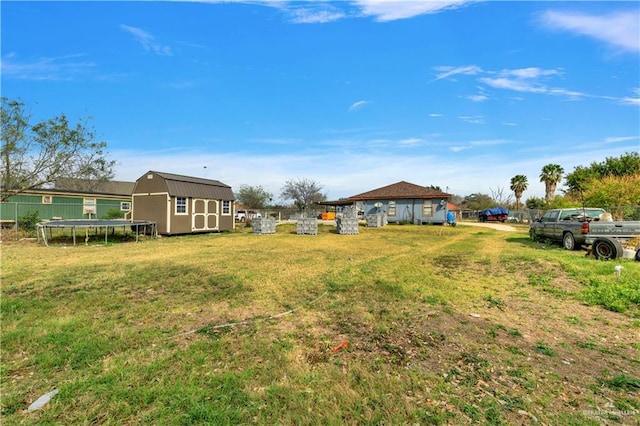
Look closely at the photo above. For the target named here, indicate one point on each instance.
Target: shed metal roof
(195, 187)
(400, 190)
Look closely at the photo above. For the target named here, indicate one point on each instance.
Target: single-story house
(56, 203)
(405, 202)
(183, 204)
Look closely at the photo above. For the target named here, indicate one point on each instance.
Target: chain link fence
(531, 215)
(19, 219)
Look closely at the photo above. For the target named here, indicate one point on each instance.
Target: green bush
(114, 214)
(29, 221)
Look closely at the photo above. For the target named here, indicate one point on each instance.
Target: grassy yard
(397, 325)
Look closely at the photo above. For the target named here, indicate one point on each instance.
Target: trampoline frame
(85, 224)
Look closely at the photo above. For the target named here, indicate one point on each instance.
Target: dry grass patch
(444, 325)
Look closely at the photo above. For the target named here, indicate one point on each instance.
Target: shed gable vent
(150, 176)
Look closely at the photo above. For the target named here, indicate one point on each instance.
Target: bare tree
(37, 155)
(499, 196)
(303, 192)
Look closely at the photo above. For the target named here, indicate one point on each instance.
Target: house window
(181, 205)
(125, 206)
(226, 208)
(47, 199)
(391, 211)
(427, 208)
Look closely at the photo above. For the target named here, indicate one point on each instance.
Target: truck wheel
(533, 235)
(638, 255)
(606, 249)
(569, 241)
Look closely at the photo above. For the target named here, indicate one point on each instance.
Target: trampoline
(136, 226)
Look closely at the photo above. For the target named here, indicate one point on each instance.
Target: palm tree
(519, 184)
(551, 176)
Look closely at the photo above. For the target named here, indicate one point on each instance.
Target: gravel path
(496, 226)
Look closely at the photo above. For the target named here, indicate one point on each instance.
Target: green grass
(444, 326)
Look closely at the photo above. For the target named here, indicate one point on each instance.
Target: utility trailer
(495, 214)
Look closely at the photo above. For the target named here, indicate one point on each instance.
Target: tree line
(613, 184)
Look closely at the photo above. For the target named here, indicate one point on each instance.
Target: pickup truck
(244, 215)
(576, 227)
(608, 239)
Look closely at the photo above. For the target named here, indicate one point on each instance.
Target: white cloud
(315, 16)
(477, 98)
(620, 29)
(459, 148)
(358, 105)
(511, 84)
(147, 40)
(410, 141)
(632, 100)
(49, 68)
(531, 72)
(478, 119)
(447, 71)
(528, 80)
(525, 80)
(488, 142)
(390, 10)
(436, 115)
(345, 172)
(620, 139)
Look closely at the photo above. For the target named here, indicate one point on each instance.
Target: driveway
(496, 226)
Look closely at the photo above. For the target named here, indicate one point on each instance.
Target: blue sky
(355, 95)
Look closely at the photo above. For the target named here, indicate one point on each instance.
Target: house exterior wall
(408, 210)
(66, 206)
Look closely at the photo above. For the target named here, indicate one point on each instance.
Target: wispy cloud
(310, 12)
(529, 80)
(358, 105)
(458, 148)
(391, 10)
(436, 115)
(478, 119)
(488, 142)
(529, 73)
(446, 71)
(477, 98)
(477, 144)
(524, 80)
(307, 15)
(67, 67)
(147, 40)
(619, 139)
(632, 100)
(410, 142)
(618, 29)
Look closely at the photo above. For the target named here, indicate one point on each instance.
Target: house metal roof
(92, 186)
(194, 187)
(400, 190)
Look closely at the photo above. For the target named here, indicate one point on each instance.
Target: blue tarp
(494, 211)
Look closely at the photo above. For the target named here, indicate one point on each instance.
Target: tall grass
(437, 325)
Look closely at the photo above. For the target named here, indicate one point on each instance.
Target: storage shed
(405, 202)
(182, 204)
